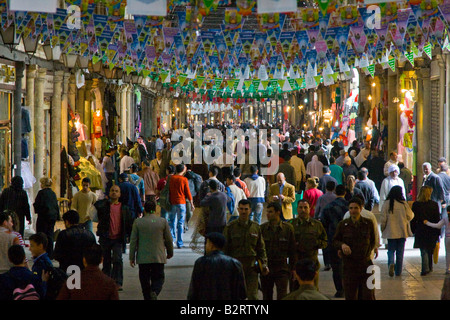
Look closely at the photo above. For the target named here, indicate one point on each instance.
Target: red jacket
(179, 189)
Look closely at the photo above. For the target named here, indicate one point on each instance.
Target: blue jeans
(178, 213)
(397, 247)
(257, 209)
(164, 213)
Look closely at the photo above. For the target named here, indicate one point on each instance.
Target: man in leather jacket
(205, 282)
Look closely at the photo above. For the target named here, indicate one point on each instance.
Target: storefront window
(4, 157)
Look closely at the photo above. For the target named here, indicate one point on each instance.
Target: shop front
(7, 79)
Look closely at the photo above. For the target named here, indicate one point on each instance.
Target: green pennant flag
(256, 83)
(129, 69)
(230, 83)
(323, 5)
(218, 82)
(371, 69)
(427, 50)
(391, 62)
(111, 66)
(164, 75)
(318, 79)
(265, 83)
(200, 80)
(145, 73)
(335, 76)
(247, 84)
(410, 57)
(274, 84)
(182, 78)
(95, 59)
(300, 82)
(293, 84)
(281, 83)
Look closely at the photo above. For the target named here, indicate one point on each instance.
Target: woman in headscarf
(395, 227)
(47, 208)
(15, 198)
(314, 168)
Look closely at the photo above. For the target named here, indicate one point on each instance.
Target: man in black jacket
(114, 228)
(332, 214)
(205, 282)
(366, 190)
(72, 242)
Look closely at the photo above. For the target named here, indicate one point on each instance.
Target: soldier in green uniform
(245, 243)
(280, 247)
(355, 239)
(310, 236)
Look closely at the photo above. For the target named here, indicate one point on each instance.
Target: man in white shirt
(159, 144)
(389, 182)
(371, 183)
(392, 160)
(257, 187)
(237, 192)
(125, 160)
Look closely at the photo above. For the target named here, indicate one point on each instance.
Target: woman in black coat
(47, 208)
(425, 237)
(14, 198)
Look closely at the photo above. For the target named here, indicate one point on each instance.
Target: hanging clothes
(97, 124)
(80, 127)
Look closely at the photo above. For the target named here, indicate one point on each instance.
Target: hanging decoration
(284, 51)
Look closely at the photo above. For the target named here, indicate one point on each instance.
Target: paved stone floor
(409, 286)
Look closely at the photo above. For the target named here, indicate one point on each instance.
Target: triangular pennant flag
(427, 49)
(410, 57)
(281, 83)
(318, 79)
(218, 82)
(200, 80)
(335, 76)
(300, 82)
(231, 83)
(265, 83)
(247, 84)
(145, 73)
(182, 78)
(391, 62)
(256, 84)
(164, 75)
(371, 69)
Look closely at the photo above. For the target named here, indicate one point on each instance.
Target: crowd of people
(320, 197)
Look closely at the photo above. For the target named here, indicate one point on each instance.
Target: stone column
(423, 121)
(65, 111)
(72, 95)
(392, 113)
(447, 104)
(130, 112)
(38, 127)
(17, 120)
(56, 134)
(443, 112)
(124, 112)
(79, 105)
(156, 102)
(29, 101)
(87, 107)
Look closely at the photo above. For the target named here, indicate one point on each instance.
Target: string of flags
(289, 50)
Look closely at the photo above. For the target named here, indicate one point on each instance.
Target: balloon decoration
(285, 51)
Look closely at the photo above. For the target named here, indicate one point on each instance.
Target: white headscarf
(315, 167)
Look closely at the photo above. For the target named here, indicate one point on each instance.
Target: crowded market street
(243, 150)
